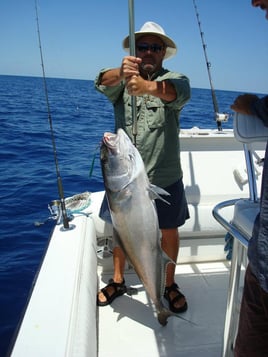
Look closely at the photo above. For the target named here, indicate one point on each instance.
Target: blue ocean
(28, 180)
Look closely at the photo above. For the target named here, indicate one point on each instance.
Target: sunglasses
(145, 47)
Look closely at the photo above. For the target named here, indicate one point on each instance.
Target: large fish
(131, 202)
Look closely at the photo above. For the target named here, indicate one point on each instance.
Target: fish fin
(155, 192)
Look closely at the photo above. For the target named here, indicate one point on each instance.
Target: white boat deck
(61, 315)
(129, 327)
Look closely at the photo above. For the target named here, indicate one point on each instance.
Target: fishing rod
(219, 117)
(59, 181)
(132, 51)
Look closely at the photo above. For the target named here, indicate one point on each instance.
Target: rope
(78, 202)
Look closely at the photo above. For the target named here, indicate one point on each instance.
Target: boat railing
(249, 131)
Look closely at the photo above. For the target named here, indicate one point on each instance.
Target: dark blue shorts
(171, 215)
(175, 214)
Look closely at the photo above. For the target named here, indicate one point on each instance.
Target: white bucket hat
(152, 28)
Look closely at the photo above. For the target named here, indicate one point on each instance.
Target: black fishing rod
(59, 181)
(219, 117)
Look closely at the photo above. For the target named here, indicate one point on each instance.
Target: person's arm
(260, 108)
(135, 83)
(164, 90)
(129, 68)
(243, 103)
(252, 104)
(112, 77)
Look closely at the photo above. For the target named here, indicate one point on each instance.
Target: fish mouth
(115, 163)
(115, 143)
(110, 140)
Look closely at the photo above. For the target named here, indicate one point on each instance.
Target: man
(160, 96)
(252, 337)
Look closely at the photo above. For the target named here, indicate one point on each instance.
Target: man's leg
(118, 277)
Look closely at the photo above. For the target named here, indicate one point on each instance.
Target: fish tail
(163, 315)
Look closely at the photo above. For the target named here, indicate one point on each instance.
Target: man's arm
(112, 77)
(164, 90)
(129, 68)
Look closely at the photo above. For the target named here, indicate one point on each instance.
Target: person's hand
(136, 85)
(130, 67)
(243, 103)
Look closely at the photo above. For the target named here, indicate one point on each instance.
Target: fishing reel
(222, 117)
(75, 204)
(56, 214)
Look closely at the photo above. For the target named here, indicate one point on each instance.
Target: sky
(80, 37)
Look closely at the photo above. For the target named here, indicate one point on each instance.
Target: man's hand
(136, 85)
(130, 67)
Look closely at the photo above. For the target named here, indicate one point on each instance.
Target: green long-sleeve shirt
(157, 125)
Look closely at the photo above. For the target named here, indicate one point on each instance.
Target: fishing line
(93, 160)
(219, 117)
(132, 53)
(59, 181)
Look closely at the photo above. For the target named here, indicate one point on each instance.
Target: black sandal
(119, 289)
(174, 287)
